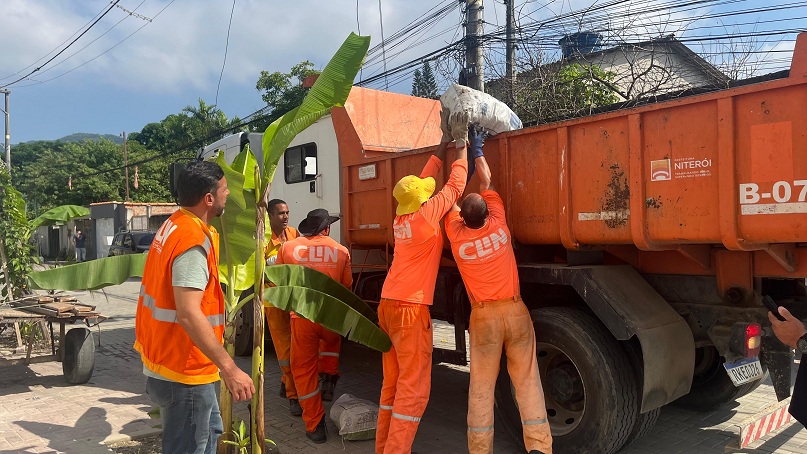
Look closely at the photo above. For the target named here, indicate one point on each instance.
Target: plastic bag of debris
(356, 418)
(484, 110)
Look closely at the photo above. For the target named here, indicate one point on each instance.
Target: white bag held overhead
(356, 418)
(484, 110)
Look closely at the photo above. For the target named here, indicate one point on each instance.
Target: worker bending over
(278, 320)
(483, 249)
(408, 290)
(315, 349)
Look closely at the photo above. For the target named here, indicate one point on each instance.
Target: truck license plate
(744, 370)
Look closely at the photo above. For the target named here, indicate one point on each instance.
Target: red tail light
(753, 340)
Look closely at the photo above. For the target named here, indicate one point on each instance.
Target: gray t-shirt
(188, 270)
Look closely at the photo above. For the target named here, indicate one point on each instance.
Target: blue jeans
(190, 416)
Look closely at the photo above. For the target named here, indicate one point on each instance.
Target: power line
(226, 46)
(68, 46)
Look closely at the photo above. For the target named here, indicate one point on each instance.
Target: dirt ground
(148, 445)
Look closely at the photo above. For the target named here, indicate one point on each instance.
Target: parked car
(131, 242)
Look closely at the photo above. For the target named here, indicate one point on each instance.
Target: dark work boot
(294, 407)
(327, 384)
(282, 392)
(320, 434)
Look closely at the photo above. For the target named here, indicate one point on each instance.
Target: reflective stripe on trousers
(279, 323)
(504, 324)
(407, 375)
(308, 339)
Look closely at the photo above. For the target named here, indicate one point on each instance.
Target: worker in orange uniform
(483, 249)
(179, 325)
(278, 320)
(408, 291)
(315, 349)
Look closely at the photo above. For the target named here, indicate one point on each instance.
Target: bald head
(474, 211)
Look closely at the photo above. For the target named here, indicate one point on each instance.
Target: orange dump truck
(646, 238)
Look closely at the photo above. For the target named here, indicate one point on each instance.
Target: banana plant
(243, 225)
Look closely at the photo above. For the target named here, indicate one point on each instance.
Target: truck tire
(711, 385)
(644, 421)
(589, 386)
(243, 331)
(79, 356)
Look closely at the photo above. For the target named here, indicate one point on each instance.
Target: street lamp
(8, 133)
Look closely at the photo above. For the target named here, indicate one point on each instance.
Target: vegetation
(424, 84)
(16, 253)
(282, 92)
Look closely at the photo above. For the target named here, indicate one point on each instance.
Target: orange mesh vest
(165, 347)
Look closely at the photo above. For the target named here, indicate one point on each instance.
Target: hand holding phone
(772, 306)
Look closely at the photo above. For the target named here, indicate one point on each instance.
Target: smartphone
(772, 306)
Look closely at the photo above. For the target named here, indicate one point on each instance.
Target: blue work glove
(476, 140)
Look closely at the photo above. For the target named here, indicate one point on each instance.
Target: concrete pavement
(40, 413)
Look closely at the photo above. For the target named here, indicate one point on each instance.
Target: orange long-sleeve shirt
(419, 240)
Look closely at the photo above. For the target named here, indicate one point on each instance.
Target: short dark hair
(198, 179)
(273, 203)
(474, 211)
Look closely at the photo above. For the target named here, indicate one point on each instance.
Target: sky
(129, 70)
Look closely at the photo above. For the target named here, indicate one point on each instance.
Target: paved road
(40, 413)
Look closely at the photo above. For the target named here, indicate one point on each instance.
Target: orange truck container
(646, 238)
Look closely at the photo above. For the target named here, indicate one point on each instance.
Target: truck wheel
(644, 421)
(711, 385)
(588, 383)
(79, 356)
(243, 331)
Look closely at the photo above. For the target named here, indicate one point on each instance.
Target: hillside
(82, 136)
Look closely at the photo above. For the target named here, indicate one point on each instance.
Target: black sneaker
(294, 407)
(282, 392)
(327, 384)
(320, 434)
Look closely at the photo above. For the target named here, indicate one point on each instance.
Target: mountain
(82, 136)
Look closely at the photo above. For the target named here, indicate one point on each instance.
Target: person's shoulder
(292, 233)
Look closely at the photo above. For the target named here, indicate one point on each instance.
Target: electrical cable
(226, 47)
(67, 47)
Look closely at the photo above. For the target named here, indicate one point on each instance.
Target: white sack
(484, 110)
(356, 418)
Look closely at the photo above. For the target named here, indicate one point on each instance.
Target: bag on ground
(483, 109)
(356, 418)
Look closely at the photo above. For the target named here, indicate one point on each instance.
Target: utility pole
(126, 165)
(8, 133)
(474, 62)
(511, 52)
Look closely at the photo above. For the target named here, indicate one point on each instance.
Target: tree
(424, 84)
(16, 253)
(283, 92)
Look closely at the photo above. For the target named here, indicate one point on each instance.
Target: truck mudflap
(628, 306)
(778, 358)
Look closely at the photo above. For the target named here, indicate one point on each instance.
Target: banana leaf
(90, 275)
(331, 89)
(300, 276)
(329, 312)
(237, 224)
(60, 214)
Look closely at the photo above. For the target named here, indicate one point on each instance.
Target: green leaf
(321, 299)
(329, 312)
(300, 276)
(60, 214)
(90, 275)
(239, 213)
(331, 89)
(244, 275)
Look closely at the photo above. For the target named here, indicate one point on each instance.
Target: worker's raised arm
(476, 158)
(433, 165)
(483, 171)
(436, 207)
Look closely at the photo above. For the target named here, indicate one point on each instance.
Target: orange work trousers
(407, 374)
(495, 325)
(314, 349)
(279, 322)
